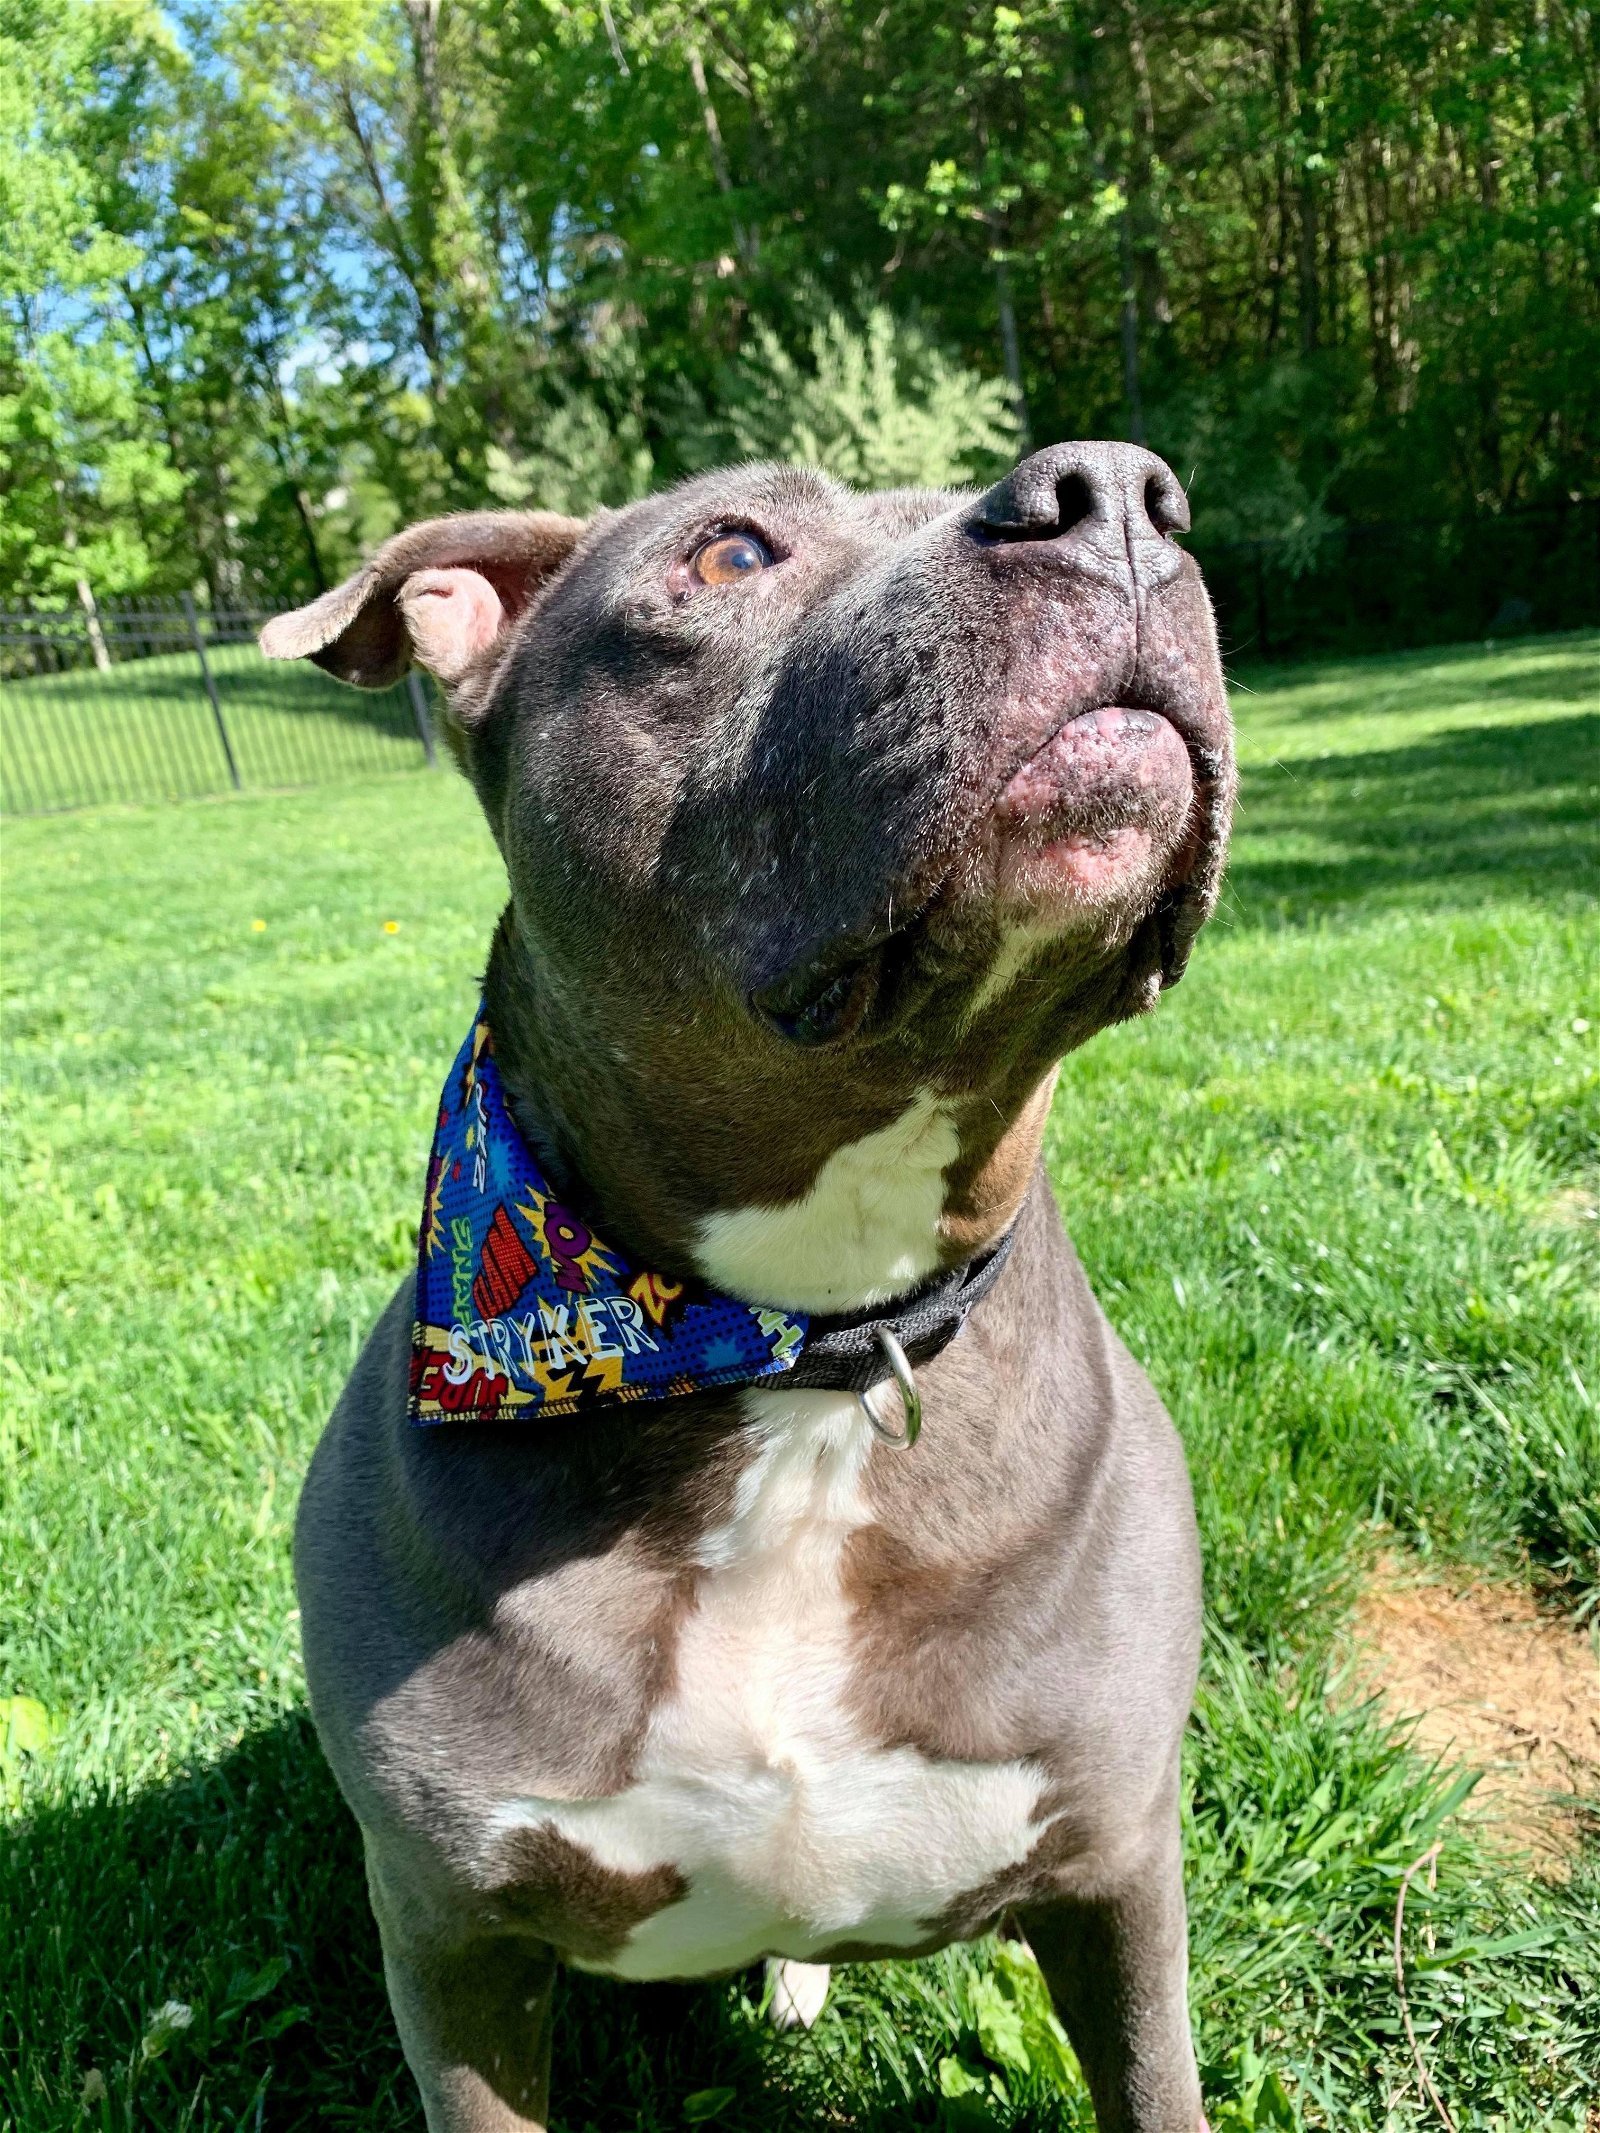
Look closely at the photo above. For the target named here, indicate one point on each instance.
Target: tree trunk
(1011, 351)
(1132, 389)
(1309, 135)
(283, 450)
(193, 520)
(744, 239)
(91, 622)
(1148, 268)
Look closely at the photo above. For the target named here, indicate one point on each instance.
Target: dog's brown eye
(727, 557)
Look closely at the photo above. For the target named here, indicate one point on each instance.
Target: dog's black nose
(1113, 493)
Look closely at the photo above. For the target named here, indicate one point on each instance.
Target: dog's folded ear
(441, 593)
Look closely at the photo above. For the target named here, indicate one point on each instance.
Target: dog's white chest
(791, 1828)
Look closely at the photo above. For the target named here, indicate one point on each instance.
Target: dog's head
(831, 820)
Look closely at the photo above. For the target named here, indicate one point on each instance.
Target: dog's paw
(796, 1992)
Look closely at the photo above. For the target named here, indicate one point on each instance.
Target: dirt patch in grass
(1574, 1207)
(1492, 1682)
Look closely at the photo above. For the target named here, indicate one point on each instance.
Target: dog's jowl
(644, 1631)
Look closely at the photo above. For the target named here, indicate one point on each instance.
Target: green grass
(146, 731)
(1334, 1194)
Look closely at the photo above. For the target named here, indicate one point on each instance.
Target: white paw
(796, 1992)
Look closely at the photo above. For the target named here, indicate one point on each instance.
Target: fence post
(419, 711)
(193, 621)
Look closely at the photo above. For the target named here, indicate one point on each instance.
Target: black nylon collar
(843, 1353)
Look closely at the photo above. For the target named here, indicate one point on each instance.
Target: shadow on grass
(237, 1891)
(173, 683)
(1509, 804)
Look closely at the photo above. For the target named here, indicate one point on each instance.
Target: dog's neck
(861, 1222)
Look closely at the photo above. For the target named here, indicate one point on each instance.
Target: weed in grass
(1323, 1194)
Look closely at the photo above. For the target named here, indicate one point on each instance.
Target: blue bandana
(523, 1312)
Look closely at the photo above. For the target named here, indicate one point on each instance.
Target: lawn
(146, 731)
(1338, 1194)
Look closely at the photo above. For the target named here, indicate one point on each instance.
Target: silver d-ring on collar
(910, 1399)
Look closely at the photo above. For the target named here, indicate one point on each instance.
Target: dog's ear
(441, 593)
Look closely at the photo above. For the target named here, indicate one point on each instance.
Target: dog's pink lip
(1094, 749)
(1097, 811)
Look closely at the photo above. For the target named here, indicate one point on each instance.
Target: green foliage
(580, 462)
(314, 267)
(589, 447)
(879, 406)
(1242, 442)
(27, 1734)
(1304, 1823)
(1330, 1192)
(1012, 2047)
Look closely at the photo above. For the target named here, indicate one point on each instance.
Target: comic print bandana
(523, 1312)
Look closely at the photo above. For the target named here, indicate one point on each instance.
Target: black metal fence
(163, 700)
(159, 699)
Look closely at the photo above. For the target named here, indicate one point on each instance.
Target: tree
(86, 493)
(303, 268)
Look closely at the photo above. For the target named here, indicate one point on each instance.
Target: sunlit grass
(1334, 1194)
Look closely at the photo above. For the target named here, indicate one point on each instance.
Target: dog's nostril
(1165, 505)
(1074, 502)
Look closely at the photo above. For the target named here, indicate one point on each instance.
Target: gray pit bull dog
(832, 822)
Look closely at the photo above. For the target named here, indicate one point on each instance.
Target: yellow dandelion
(391, 925)
(258, 925)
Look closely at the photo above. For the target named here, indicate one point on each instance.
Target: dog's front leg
(1117, 1967)
(473, 2012)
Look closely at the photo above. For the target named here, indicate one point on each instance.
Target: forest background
(279, 275)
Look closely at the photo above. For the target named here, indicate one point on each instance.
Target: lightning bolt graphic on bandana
(604, 1372)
